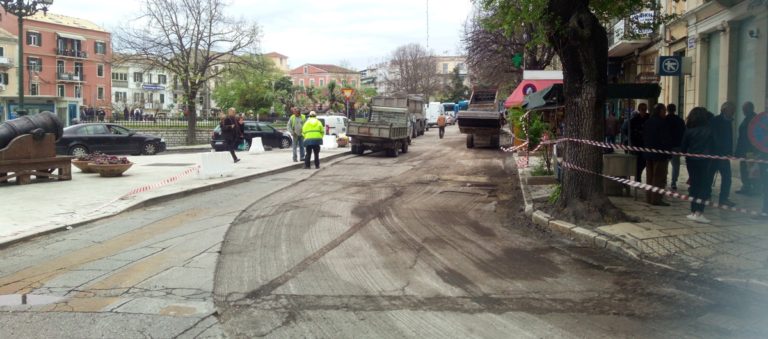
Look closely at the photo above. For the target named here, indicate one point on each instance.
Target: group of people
(701, 134)
(307, 134)
(92, 114)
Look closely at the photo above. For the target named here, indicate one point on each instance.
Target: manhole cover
(169, 165)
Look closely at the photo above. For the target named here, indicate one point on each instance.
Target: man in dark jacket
(656, 136)
(722, 129)
(636, 126)
(743, 148)
(676, 132)
(230, 131)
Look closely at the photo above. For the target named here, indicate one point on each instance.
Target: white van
(433, 110)
(336, 124)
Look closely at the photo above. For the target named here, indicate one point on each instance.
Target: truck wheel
(409, 140)
(404, 148)
(353, 149)
(470, 141)
(495, 141)
(393, 152)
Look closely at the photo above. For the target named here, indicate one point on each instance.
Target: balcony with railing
(71, 53)
(6, 62)
(630, 34)
(69, 77)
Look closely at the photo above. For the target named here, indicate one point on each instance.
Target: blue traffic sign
(670, 66)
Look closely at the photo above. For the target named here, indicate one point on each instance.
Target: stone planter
(110, 170)
(83, 165)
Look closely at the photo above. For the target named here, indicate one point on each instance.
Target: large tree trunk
(582, 44)
(192, 118)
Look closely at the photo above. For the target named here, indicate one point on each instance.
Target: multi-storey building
(318, 75)
(8, 77)
(66, 65)
(446, 65)
(138, 85)
(280, 61)
(375, 76)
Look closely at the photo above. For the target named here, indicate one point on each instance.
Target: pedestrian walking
(313, 132)
(722, 129)
(230, 131)
(760, 147)
(295, 125)
(656, 137)
(441, 125)
(744, 149)
(635, 131)
(676, 131)
(698, 139)
(126, 113)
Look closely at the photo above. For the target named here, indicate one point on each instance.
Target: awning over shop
(527, 87)
(70, 36)
(553, 96)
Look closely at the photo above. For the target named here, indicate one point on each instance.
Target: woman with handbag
(230, 131)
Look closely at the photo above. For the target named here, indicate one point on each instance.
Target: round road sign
(529, 89)
(758, 132)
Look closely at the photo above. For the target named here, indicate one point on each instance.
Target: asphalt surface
(434, 244)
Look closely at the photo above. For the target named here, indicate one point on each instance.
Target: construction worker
(295, 127)
(441, 124)
(312, 132)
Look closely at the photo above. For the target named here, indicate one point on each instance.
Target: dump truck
(482, 122)
(389, 128)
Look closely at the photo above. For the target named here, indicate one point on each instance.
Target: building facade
(319, 75)
(138, 85)
(8, 76)
(280, 61)
(67, 65)
(445, 66)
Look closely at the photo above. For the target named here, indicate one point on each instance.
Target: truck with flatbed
(390, 126)
(482, 122)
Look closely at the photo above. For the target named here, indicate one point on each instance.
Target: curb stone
(172, 196)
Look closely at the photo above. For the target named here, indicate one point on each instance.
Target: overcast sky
(362, 32)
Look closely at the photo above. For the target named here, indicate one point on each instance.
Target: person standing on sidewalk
(744, 149)
(676, 130)
(313, 132)
(656, 136)
(722, 129)
(441, 124)
(698, 139)
(230, 130)
(635, 128)
(295, 125)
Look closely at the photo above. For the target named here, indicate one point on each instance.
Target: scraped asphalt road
(434, 244)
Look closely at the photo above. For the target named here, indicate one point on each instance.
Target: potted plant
(111, 166)
(83, 162)
(342, 141)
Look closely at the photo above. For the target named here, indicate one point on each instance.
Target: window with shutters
(78, 91)
(35, 64)
(34, 38)
(2, 51)
(34, 88)
(4, 77)
(162, 98)
(100, 70)
(60, 90)
(162, 79)
(138, 77)
(100, 47)
(100, 93)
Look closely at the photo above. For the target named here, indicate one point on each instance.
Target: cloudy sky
(361, 32)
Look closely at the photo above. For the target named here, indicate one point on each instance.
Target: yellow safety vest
(313, 129)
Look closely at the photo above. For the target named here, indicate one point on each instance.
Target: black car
(107, 138)
(270, 136)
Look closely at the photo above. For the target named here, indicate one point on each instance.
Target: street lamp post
(22, 9)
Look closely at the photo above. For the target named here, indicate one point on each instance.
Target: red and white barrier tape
(654, 189)
(164, 182)
(651, 150)
(515, 148)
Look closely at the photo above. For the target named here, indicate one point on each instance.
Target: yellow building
(726, 42)
(281, 61)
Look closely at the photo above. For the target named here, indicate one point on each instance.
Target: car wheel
(149, 148)
(285, 143)
(78, 150)
(404, 148)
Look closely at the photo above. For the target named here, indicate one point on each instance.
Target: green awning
(552, 96)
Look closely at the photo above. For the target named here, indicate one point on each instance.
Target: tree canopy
(248, 85)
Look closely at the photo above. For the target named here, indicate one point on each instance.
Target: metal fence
(152, 123)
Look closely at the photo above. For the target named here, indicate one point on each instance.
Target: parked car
(269, 135)
(335, 124)
(107, 138)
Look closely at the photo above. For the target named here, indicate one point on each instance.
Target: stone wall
(177, 136)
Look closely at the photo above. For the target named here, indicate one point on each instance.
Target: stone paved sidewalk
(733, 248)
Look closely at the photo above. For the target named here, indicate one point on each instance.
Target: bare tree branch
(413, 70)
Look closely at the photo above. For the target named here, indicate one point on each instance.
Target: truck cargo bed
(471, 122)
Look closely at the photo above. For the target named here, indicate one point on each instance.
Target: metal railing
(69, 76)
(71, 53)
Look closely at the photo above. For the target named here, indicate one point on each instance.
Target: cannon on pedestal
(28, 148)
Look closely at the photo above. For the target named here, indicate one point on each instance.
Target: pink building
(66, 65)
(317, 75)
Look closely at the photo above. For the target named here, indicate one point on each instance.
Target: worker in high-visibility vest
(313, 131)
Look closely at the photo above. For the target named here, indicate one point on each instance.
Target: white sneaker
(691, 216)
(701, 219)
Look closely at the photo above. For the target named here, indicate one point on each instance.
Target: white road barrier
(216, 165)
(256, 146)
(329, 142)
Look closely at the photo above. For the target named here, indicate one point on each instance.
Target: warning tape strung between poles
(651, 150)
(654, 189)
(164, 182)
